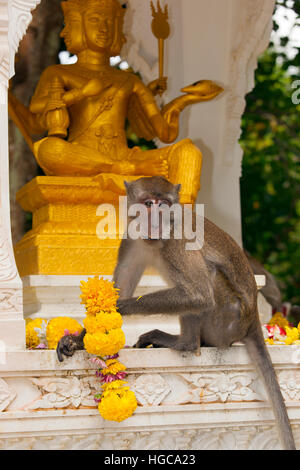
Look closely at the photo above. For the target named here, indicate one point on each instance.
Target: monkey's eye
(165, 203)
(148, 203)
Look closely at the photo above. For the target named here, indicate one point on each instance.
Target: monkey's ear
(127, 186)
(177, 188)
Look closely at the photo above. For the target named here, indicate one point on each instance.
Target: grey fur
(213, 290)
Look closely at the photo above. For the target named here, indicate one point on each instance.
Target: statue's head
(73, 32)
(99, 24)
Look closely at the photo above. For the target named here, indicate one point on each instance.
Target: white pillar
(14, 19)
(211, 39)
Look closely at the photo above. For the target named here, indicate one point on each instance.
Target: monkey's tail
(259, 354)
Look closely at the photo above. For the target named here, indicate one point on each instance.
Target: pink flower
(115, 356)
(276, 332)
(98, 362)
(108, 378)
(67, 333)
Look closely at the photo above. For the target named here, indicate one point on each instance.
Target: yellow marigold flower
(98, 294)
(103, 321)
(113, 367)
(292, 335)
(118, 405)
(32, 339)
(116, 384)
(58, 327)
(104, 344)
(269, 341)
(278, 319)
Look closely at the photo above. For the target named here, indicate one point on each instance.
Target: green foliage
(270, 185)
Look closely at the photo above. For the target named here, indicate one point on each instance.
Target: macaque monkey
(270, 291)
(212, 289)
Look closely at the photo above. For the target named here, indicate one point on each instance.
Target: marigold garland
(279, 331)
(98, 295)
(104, 338)
(117, 405)
(113, 366)
(103, 321)
(278, 319)
(44, 334)
(59, 327)
(32, 338)
(104, 344)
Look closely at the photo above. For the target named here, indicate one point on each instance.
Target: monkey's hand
(124, 306)
(69, 344)
(130, 306)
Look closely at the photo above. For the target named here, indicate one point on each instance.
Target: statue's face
(99, 28)
(73, 32)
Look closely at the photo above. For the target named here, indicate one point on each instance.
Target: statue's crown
(83, 5)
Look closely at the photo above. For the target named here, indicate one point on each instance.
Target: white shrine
(214, 401)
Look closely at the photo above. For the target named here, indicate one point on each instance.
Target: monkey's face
(154, 199)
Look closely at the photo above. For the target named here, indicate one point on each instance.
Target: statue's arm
(42, 96)
(165, 122)
(166, 127)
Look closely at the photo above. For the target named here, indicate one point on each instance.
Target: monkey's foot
(158, 339)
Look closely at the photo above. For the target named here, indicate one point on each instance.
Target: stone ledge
(154, 419)
(193, 400)
(147, 359)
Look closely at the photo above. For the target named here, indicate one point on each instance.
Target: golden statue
(83, 107)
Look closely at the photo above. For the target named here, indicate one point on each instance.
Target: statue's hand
(203, 90)
(93, 88)
(158, 86)
(172, 111)
(54, 103)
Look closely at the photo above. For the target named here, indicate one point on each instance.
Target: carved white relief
(150, 389)
(214, 387)
(15, 17)
(66, 392)
(289, 382)
(4, 49)
(164, 389)
(8, 270)
(214, 438)
(225, 387)
(20, 17)
(11, 300)
(6, 395)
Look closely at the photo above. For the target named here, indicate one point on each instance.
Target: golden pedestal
(63, 239)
